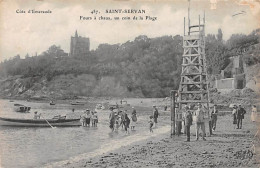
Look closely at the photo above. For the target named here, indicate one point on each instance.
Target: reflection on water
(35, 147)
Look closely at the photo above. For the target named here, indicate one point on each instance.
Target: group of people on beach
(198, 119)
(238, 113)
(89, 117)
(119, 118)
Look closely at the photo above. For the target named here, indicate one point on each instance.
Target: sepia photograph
(130, 84)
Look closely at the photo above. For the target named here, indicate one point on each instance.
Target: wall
(240, 81)
(227, 83)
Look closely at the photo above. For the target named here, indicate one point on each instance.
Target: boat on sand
(14, 122)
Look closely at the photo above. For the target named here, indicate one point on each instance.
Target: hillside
(144, 67)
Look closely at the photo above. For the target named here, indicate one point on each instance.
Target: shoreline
(108, 148)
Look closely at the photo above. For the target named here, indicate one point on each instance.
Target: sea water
(47, 147)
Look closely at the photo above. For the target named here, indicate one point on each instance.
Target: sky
(22, 33)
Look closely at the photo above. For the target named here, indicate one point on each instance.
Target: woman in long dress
(234, 114)
(111, 119)
(253, 113)
(126, 123)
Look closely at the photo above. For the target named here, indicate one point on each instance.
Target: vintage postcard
(129, 84)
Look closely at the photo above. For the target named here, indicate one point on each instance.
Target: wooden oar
(49, 123)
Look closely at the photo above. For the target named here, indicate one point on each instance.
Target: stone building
(79, 45)
(233, 76)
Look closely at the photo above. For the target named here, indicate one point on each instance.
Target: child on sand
(87, 118)
(134, 119)
(94, 119)
(117, 122)
(151, 123)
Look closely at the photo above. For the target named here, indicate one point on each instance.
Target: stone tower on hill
(79, 45)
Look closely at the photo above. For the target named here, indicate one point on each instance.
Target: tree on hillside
(106, 52)
(215, 53)
(252, 56)
(220, 35)
(147, 66)
(55, 51)
(27, 55)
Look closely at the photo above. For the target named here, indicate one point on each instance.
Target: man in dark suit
(155, 115)
(240, 116)
(188, 121)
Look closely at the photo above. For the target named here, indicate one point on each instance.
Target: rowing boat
(52, 102)
(38, 122)
(21, 108)
(77, 103)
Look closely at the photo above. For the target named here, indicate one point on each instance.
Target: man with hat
(187, 117)
(240, 116)
(155, 115)
(214, 117)
(199, 120)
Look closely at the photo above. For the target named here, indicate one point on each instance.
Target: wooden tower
(193, 88)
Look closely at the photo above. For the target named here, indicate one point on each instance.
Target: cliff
(62, 87)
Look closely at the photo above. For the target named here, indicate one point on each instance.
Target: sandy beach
(227, 147)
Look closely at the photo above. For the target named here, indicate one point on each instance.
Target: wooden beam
(202, 25)
(193, 92)
(192, 64)
(192, 74)
(192, 101)
(190, 46)
(191, 55)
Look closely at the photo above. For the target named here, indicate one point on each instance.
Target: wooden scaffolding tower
(193, 88)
